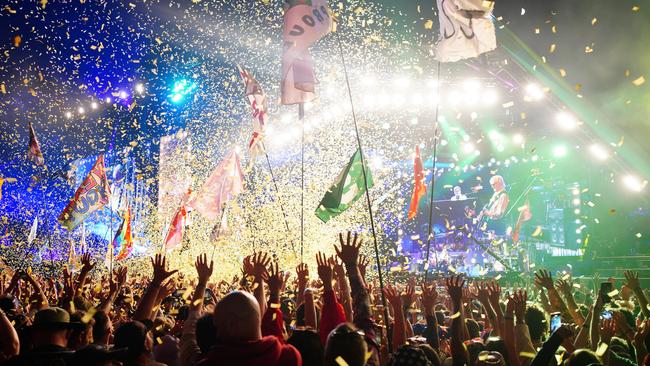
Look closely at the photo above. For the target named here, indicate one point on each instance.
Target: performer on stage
(458, 194)
(498, 204)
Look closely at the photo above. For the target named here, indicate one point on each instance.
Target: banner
(466, 29)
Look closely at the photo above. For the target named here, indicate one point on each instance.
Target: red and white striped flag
(177, 226)
(257, 100)
(34, 153)
(305, 22)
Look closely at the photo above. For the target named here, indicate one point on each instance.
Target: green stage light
(559, 151)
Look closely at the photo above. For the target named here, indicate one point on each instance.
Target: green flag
(345, 191)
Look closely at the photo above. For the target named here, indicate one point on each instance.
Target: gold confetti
(527, 354)
(454, 316)
(340, 361)
(562, 72)
(638, 235)
(602, 348)
(612, 293)
(552, 48)
(537, 232)
(428, 24)
(594, 21)
(639, 81)
(635, 8)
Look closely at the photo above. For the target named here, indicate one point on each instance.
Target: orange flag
(419, 188)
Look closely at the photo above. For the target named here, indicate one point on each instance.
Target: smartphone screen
(556, 321)
(606, 315)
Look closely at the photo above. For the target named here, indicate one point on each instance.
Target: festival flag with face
(123, 238)
(33, 231)
(34, 153)
(91, 196)
(257, 100)
(305, 22)
(466, 29)
(176, 229)
(419, 187)
(347, 188)
(225, 182)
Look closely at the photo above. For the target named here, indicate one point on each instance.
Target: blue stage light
(181, 89)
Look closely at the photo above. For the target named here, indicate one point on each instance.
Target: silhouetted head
(346, 342)
(237, 317)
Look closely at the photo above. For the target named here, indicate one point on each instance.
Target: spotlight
(518, 138)
(559, 151)
(68, 115)
(93, 105)
(576, 201)
(123, 94)
(500, 148)
(181, 89)
(108, 99)
(139, 88)
(81, 110)
(468, 148)
(534, 92)
(416, 99)
(454, 97)
(490, 96)
(599, 152)
(534, 158)
(402, 82)
(494, 135)
(443, 142)
(633, 183)
(566, 121)
(471, 85)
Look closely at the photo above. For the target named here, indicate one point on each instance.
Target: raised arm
(428, 300)
(9, 342)
(544, 279)
(509, 332)
(546, 356)
(634, 284)
(566, 289)
(160, 274)
(87, 266)
(332, 313)
(303, 277)
(455, 290)
(38, 290)
(484, 298)
(494, 292)
(272, 321)
(395, 300)
(260, 261)
(344, 288)
(114, 289)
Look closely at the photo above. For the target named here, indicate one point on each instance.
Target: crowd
(271, 317)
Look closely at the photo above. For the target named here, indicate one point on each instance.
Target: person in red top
(239, 333)
(332, 313)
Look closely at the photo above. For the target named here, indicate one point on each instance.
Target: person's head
(496, 344)
(81, 336)
(582, 357)
(97, 355)
(102, 329)
(457, 191)
(136, 337)
(473, 350)
(52, 326)
(432, 355)
(537, 324)
(409, 355)
(237, 317)
(490, 358)
(308, 343)
(206, 333)
(497, 183)
(348, 343)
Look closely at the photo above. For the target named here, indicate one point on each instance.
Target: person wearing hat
(97, 355)
(49, 334)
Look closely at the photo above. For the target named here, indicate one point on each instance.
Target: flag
(34, 153)
(92, 195)
(305, 22)
(123, 238)
(347, 188)
(225, 182)
(257, 100)
(419, 188)
(220, 229)
(32, 231)
(466, 29)
(176, 228)
(524, 215)
(110, 253)
(72, 254)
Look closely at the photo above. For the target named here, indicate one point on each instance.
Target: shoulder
(289, 356)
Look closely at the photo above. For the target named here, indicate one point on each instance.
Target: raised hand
(339, 270)
(622, 325)
(455, 286)
(564, 286)
(494, 292)
(166, 289)
(275, 279)
(324, 271)
(349, 251)
(544, 279)
(363, 265)
(303, 273)
(260, 261)
(483, 293)
(393, 296)
(160, 272)
(428, 298)
(247, 267)
(408, 297)
(203, 270)
(87, 265)
(520, 297)
(607, 330)
(632, 280)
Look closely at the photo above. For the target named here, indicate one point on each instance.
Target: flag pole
(433, 185)
(301, 116)
(214, 246)
(365, 182)
(277, 192)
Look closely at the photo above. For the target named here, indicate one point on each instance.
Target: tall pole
(365, 182)
(433, 185)
(301, 116)
(277, 192)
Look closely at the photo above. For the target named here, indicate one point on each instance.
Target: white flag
(82, 242)
(466, 29)
(32, 231)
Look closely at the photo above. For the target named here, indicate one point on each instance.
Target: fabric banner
(123, 238)
(347, 188)
(34, 153)
(466, 29)
(258, 103)
(225, 182)
(305, 22)
(419, 187)
(32, 231)
(91, 196)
